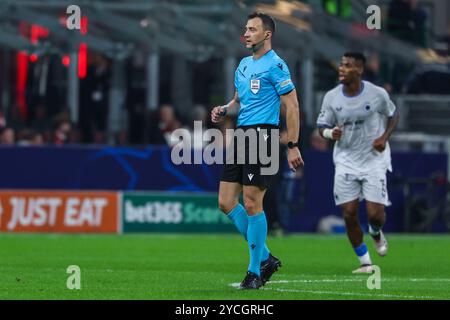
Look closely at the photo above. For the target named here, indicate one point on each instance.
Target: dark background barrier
(150, 168)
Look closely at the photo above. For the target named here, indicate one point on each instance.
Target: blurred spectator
(36, 138)
(285, 196)
(442, 45)
(64, 114)
(41, 123)
(14, 119)
(372, 70)
(316, 142)
(23, 137)
(168, 122)
(399, 15)
(99, 96)
(99, 137)
(2, 120)
(432, 78)
(75, 135)
(418, 19)
(121, 138)
(62, 132)
(275, 223)
(199, 114)
(388, 87)
(406, 21)
(429, 79)
(94, 97)
(7, 136)
(28, 137)
(136, 124)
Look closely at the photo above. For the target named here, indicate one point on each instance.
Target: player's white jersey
(364, 118)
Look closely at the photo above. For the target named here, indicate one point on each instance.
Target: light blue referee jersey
(259, 84)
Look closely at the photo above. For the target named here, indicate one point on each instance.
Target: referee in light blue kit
(263, 83)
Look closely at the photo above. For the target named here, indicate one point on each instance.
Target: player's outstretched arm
(290, 102)
(220, 111)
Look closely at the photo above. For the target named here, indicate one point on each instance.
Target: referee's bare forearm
(233, 101)
(292, 115)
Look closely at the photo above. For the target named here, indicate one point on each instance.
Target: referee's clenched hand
(295, 159)
(216, 113)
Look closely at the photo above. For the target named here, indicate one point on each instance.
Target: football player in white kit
(360, 117)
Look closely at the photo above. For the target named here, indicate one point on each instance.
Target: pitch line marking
(351, 293)
(236, 284)
(363, 279)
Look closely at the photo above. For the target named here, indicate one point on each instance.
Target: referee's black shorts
(249, 174)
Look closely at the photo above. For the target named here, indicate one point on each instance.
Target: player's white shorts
(370, 186)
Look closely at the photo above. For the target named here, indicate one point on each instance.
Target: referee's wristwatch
(292, 145)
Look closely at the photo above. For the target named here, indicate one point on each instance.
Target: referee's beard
(256, 47)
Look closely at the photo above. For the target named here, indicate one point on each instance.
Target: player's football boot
(269, 267)
(251, 281)
(365, 268)
(381, 245)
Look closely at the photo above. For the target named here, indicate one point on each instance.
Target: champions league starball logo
(258, 140)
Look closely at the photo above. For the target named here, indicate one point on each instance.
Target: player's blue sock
(256, 234)
(361, 250)
(363, 254)
(240, 219)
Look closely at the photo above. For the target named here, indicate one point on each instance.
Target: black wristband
(292, 145)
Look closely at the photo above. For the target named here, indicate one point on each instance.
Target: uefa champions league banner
(102, 168)
(82, 169)
(180, 212)
(59, 211)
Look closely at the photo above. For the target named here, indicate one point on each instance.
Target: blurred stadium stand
(162, 46)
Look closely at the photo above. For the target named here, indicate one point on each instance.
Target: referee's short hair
(267, 21)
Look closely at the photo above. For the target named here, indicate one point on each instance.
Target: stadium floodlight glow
(84, 25)
(144, 23)
(36, 32)
(82, 61)
(33, 57)
(65, 60)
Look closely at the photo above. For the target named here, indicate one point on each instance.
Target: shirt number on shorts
(383, 188)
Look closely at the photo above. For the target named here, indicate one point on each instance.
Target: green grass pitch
(163, 266)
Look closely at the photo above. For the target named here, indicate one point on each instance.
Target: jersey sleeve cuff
(324, 126)
(286, 89)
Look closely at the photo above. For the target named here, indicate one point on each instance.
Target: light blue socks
(256, 238)
(241, 220)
